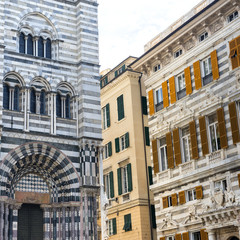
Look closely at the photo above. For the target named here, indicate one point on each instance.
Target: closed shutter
(238, 49)
(165, 202)
(178, 236)
(117, 146)
(182, 198)
(222, 128)
(193, 137)
(150, 175)
(119, 174)
(111, 185)
(234, 53)
(239, 179)
(188, 81)
(147, 136)
(108, 115)
(162, 238)
(101, 83)
(114, 226)
(172, 90)
(127, 142)
(197, 75)
(234, 122)
(110, 149)
(123, 68)
(144, 105)
(151, 102)
(199, 192)
(174, 199)
(177, 147)
(154, 225)
(116, 73)
(120, 106)
(203, 234)
(203, 134)
(129, 174)
(185, 236)
(214, 62)
(165, 94)
(155, 156)
(169, 150)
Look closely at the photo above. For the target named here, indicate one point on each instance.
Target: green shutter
(127, 223)
(129, 174)
(127, 142)
(119, 173)
(147, 136)
(154, 225)
(114, 226)
(123, 68)
(108, 115)
(117, 147)
(150, 175)
(144, 105)
(120, 107)
(116, 73)
(100, 83)
(106, 80)
(111, 185)
(110, 149)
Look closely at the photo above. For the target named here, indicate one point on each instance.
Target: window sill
(216, 156)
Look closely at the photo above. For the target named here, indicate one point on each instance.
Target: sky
(126, 26)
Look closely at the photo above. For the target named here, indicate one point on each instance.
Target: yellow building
(125, 164)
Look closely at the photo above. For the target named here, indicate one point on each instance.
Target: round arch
(16, 76)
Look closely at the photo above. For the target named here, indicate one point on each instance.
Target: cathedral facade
(50, 119)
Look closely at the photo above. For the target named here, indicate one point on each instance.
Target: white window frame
(222, 185)
(162, 161)
(124, 179)
(107, 185)
(170, 238)
(213, 126)
(193, 194)
(203, 36)
(158, 96)
(180, 77)
(185, 139)
(192, 235)
(234, 16)
(169, 198)
(110, 227)
(206, 66)
(156, 67)
(122, 142)
(104, 117)
(178, 53)
(106, 152)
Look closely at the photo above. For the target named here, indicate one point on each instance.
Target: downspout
(145, 156)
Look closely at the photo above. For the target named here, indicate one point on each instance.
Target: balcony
(216, 156)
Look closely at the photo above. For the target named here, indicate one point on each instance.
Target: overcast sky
(126, 26)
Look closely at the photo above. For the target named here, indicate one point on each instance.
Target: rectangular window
(181, 87)
(124, 180)
(120, 107)
(186, 144)
(112, 227)
(107, 150)
(196, 236)
(159, 99)
(203, 36)
(144, 105)
(127, 223)
(191, 195)
(170, 238)
(106, 116)
(220, 185)
(214, 133)
(124, 141)
(232, 16)
(156, 68)
(163, 154)
(169, 201)
(147, 139)
(178, 53)
(107, 185)
(206, 71)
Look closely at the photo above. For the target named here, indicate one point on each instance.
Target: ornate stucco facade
(191, 73)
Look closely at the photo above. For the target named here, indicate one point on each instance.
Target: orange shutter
(165, 94)
(151, 102)
(185, 236)
(155, 156)
(174, 199)
(203, 234)
(165, 202)
(197, 75)
(169, 150)
(234, 122)
(182, 198)
(239, 179)
(222, 128)
(178, 236)
(233, 53)
(188, 81)
(238, 49)
(214, 62)
(172, 90)
(203, 134)
(193, 137)
(177, 147)
(199, 192)
(162, 238)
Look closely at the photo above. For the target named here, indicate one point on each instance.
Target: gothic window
(67, 107)
(22, 43)
(40, 47)
(33, 101)
(16, 98)
(42, 102)
(30, 44)
(5, 96)
(48, 49)
(58, 105)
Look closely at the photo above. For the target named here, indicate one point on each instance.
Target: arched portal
(233, 238)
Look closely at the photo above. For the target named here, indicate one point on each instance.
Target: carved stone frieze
(168, 222)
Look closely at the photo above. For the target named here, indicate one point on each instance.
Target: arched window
(67, 107)
(58, 105)
(5, 96)
(33, 101)
(40, 47)
(22, 43)
(42, 102)
(48, 49)
(16, 98)
(30, 44)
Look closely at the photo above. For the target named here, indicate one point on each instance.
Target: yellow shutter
(177, 147)
(155, 156)
(203, 234)
(169, 150)
(178, 236)
(165, 202)
(151, 102)
(185, 236)
(172, 90)
(238, 49)
(188, 81)
(193, 137)
(162, 238)
(222, 128)
(165, 94)
(197, 75)
(234, 122)
(199, 192)
(182, 198)
(203, 135)
(214, 62)
(234, 54)
(174, 199)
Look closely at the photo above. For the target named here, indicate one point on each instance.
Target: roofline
(176, 30)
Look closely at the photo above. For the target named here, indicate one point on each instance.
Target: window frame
(111, 227)
(158, 95)
(206, 65)
(193, 194)
(107, 187)
(170, 238)
(125, 180)
(122, 142)
(216, 133)
(234, 16)
(223, 186)
(204, 35)
(188, 143)
(163, 148)
(104, 117)
(129, 218)
(156, 67)
(178, 53)
(195, 232)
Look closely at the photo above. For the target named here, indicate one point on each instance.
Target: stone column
(15, 221)
(46, 225)
(26, 38)
(211, 234)
(6, 222)
(44, 47)
(1, 219)
(10, 218)
(54, 223)
(72, 223)
(63, 222)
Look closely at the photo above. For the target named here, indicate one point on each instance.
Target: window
(214, 133)
(16, 98)
(169, 198)
(107, 150)
(42, 102)
(63, 106)
(33, 101)
(6, 94)
(163, 154)
(191, 195)
(220, 185)
(22, 43)
(67, 107)
(120, 107)
(124, 141)
(124, 179)
(153, 216)
(181, 87)
(106, 116)
(234, 52)
(170, 238)
(48, 49)
(195, 236)
(203, 36)
(206, 71)
(127, 223)
(144, 105)
(112, 227)
(186, 145)
(58, 105)
(178, 53)
(156, 68)
(30, 44)
(119, 71)
(159, 99)
(109, 185)
(40, 47)
(147, 139)
(232, 16)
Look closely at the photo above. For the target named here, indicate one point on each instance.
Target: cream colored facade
(122, 81)
(193, 105)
